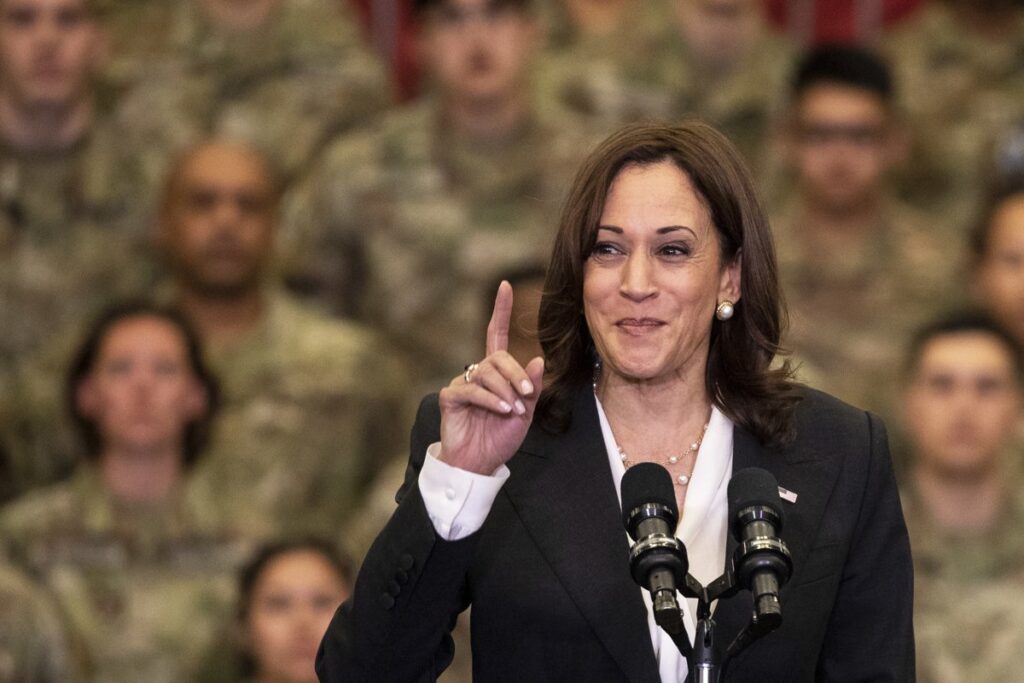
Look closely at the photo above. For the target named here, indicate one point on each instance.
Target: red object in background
(813, 22)
(391, 32)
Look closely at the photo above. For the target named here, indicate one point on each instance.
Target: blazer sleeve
(411, 588)
(870, 633)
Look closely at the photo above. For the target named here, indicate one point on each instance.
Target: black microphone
(658, 559)
(761, 562)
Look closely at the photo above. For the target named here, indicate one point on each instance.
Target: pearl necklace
(682, 479)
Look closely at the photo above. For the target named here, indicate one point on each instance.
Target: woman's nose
(637, 277)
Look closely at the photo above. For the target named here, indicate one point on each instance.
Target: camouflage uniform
(285, 87)
(663, 80)
(851, 311)
(961, 89)
(34, 647)
(968, 616)
(72, 228)
(138, 36)
(145, 587)
(408, 225)
(312, 408)
(644, 21)
(608, 78)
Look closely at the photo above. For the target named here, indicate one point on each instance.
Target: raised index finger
(497, 329)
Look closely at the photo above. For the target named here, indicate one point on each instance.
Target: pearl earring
(725, 310)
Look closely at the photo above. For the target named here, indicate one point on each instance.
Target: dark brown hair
(83, 362)
(740, 379)
(963, 322)
(844, 64)
(250, 574)
(265, 555)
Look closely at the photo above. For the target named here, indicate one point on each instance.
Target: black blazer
(548, 574)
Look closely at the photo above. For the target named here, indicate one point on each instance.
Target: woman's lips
(639, 325)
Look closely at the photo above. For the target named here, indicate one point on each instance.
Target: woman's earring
(725, 310)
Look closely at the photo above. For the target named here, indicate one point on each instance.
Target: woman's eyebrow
(661, 231)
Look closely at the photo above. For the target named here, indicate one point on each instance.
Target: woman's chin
(643, 371)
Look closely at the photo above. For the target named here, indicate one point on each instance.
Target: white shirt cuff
(457, 501)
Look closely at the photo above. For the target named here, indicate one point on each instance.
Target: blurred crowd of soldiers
(232, 258)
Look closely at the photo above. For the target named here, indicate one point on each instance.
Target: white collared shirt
(457, 503)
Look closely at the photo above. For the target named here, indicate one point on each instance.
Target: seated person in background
(963, 505)
(142, 572)
(962, 86)
(406, 224)
(581, 25)
(284, 75)
(599, 56)
(997, 257)
(34, 647)
(287, 594)
(71, 204)
(310, 402)
(670, 59)
(860, 269)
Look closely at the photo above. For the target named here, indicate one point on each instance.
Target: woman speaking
(660, 321)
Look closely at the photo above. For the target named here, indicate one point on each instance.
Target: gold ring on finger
(470, 369)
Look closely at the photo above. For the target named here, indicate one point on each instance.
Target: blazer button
(402, 577)
(394, 589)
(406, 562)
(386, 601)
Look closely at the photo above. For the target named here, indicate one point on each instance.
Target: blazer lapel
(562, 490)
(802, 471)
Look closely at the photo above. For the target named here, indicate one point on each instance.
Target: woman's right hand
(485, 419)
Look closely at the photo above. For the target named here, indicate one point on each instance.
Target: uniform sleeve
(409, 592)
(870, 634)
(40, 651)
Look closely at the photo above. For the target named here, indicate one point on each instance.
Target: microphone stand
(706, 661)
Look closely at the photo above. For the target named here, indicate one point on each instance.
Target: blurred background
(240, 239)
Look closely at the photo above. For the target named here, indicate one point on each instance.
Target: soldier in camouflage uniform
(136, 35)
(407, 223)
(312, 406)
(964, 509)
(283, 75)
(573, 23)
(72, 209)
(602, 58)
(714, 59)
(34, 647)
(143, 574)
(960, 65)
(860, 270)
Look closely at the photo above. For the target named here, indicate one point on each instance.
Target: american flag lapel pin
(787, 495)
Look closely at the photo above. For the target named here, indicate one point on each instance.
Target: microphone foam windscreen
(647, 482)
(753, 486)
